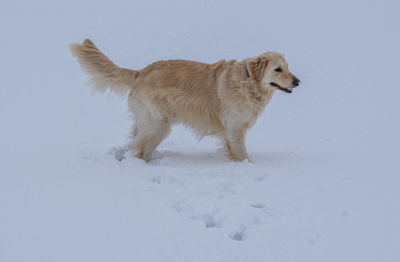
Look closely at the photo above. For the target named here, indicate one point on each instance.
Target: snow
(324, 185)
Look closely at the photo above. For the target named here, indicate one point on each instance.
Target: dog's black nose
(296, 82)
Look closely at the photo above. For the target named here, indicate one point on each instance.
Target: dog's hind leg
(150, 127)
(134, 132)
(149, 133)
(146, 142)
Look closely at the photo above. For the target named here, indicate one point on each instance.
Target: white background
(325, 183)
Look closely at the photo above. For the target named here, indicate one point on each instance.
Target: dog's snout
(296, 81)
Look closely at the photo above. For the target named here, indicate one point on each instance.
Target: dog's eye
(278, 69)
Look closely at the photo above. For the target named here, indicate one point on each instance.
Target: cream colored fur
(222, 99)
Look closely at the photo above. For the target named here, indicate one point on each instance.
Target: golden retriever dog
(222, 99)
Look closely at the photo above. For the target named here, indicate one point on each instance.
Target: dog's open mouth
(284, 89)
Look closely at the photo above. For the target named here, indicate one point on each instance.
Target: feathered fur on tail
(104, 73)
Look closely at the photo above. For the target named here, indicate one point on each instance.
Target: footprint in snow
(210, 221)
(238, 235)
(119, 152)
(257, 205)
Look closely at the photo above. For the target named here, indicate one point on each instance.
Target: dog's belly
(202, 124)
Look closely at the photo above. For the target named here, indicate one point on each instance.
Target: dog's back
(186, 90)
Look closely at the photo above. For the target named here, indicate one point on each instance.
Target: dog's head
(271, 71)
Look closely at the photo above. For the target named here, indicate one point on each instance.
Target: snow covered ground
(325, 184)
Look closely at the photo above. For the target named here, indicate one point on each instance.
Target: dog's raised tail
(104, 73)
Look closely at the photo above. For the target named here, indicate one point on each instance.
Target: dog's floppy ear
(256, 67)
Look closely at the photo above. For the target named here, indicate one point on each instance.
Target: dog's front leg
(234, 142)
